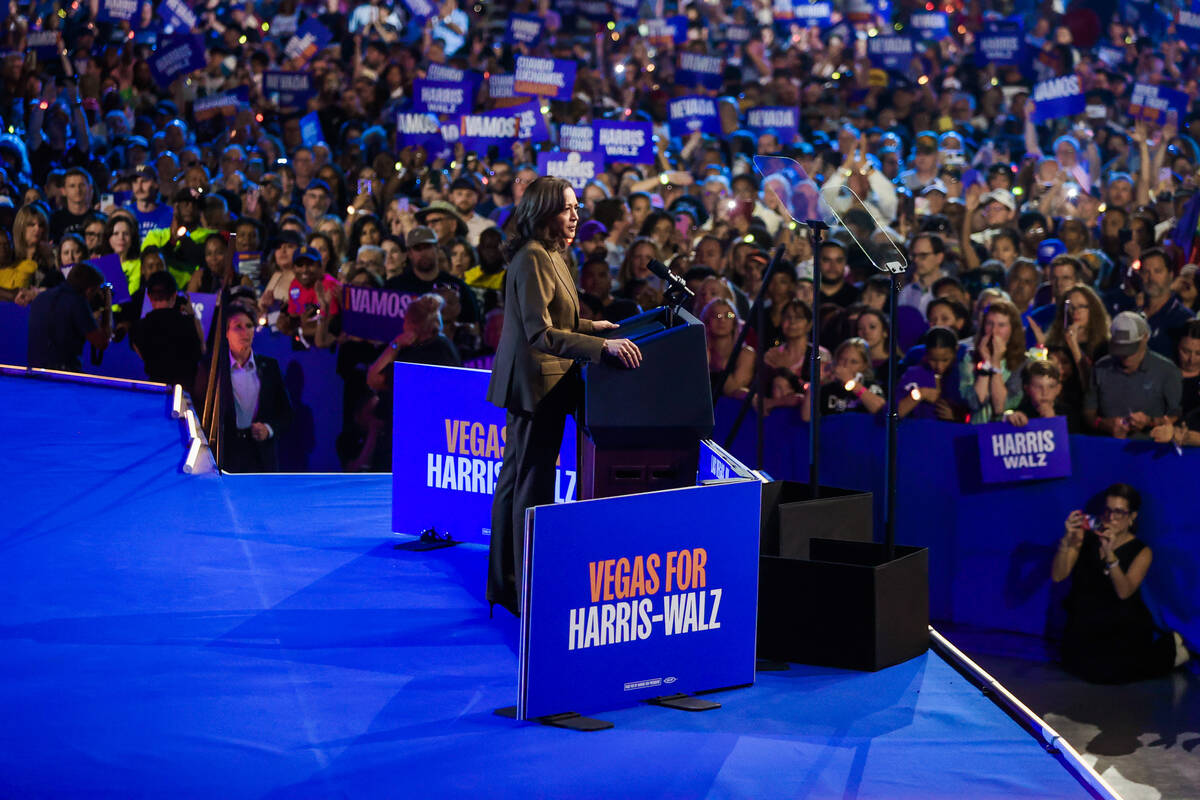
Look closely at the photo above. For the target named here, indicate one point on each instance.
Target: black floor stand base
(770, 665)
(569, 720)
(430, 540)
(684, 702)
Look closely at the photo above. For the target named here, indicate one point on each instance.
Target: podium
(642, 427)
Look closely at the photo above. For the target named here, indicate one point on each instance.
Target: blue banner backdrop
(447, 445)
(990, 545)
(630, 598)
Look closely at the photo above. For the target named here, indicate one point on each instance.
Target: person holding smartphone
(1110, 636)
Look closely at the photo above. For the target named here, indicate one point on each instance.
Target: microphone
(669, 278)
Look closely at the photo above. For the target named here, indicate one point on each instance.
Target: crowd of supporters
(1051, 266)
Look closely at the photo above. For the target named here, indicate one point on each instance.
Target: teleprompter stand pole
(817, 228)
(893, 417)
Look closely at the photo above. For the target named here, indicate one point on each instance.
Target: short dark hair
(1041, 369)
(1158, 252)
(1191, 330)
(936, 242)
(84, 276)
(880, 284)
(946, 280)
(1126, 492)
(161, 286)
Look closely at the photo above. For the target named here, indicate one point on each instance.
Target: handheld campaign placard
(374, 314)
(1041, 449)
(686, 115)
(635, 597)
(545, 77)
(448, 444)
(574, 167)
(1152, 103)
(177, 56)
(1058, 97)
(891, 52)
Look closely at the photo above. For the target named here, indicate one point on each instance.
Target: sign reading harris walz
(1041, 449)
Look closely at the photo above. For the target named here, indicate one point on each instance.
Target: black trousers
(526, 479)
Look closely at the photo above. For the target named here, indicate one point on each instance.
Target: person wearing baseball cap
(1133, 388)
(422, 275)
(314, 298)
(150, 213)
(465, 194)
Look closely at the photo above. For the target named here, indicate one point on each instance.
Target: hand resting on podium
(623, 350)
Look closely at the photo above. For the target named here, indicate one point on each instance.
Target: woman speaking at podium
(534, 376)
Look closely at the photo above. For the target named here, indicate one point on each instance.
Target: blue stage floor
(163, 635)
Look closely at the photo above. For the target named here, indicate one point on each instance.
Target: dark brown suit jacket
(543, 334)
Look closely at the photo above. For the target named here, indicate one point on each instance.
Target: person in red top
(314, 297)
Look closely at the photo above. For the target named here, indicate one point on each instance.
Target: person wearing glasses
(1110, 636)
(534, 376)
(928, 253)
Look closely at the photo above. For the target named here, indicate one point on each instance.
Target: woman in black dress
(1110, 636)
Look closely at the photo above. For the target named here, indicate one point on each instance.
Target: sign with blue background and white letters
(1041, 449)
(1058, 97)
(448, 443)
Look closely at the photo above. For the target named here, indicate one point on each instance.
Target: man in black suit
(255, 404)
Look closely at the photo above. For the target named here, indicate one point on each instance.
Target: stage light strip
(1050, 737)
(18, 371)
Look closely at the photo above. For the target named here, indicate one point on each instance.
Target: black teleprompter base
(683, 702)
(570, 720)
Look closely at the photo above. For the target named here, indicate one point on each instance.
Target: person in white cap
(1133, 389)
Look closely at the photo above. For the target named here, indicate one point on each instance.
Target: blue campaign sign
(438, 97)
(310, 129)
(575, 168)
(735, 35)
(686, 115)
(700, 71)
(669, 31)
(290, 89)
(580, 138)
(110, 267)
(310, 39)
(532, 127)
(545, 77)
(930, 25)
(117, 10)
(177, 56)
(501, 86)
(448, 443)
(1152, 103)
(628, 598)
(422, 9)
(524, 29)
(1041, 449)
(1001, 43)
(817, 14)
(625, 142)
(891, 52)
(626, 8)
(44, 43)
(783, 121)
(594, 10)
(177, 14)
(1110, 55)
(478, 132)
(419, 129)
(374, 314)
(1187, 25)
(225, 104)
(1057, 97)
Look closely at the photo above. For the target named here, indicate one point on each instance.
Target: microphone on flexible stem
(669, 278)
